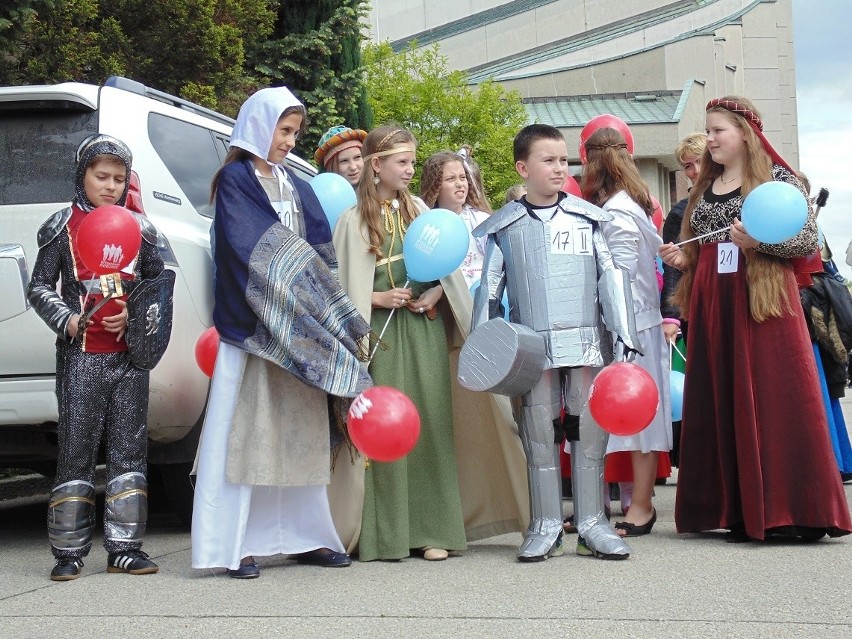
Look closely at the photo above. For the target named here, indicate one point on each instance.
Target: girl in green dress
(411, 506)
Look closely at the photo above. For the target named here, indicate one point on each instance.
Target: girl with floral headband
(755, 456)
(424, 504)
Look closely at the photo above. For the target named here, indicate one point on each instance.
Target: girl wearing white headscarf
(288, 340)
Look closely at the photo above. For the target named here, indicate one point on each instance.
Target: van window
(189, 152)
(38, 145)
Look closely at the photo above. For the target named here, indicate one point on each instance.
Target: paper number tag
(285, 213)
(570, 237)
(727, 258)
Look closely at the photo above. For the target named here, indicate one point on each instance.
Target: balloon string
(698, 237)
(674, 346)
(384, 328)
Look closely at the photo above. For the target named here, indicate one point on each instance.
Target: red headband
(754, 122)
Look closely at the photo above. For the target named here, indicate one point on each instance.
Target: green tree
(416, 89)
(191, 48)
(194, 48)
(49, 42)
(315, 50)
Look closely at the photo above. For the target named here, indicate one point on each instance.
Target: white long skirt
(232, 521)
(658, 435)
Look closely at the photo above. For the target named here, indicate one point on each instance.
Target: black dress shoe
(634, 530)
(249, 570)
(66, 569)
(324, 557)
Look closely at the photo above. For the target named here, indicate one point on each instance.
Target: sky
(823, 51)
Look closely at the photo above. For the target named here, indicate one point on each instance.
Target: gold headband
(397, 149)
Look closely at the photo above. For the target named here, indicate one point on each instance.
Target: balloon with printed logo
(774, 212)
(504, 301)
(657, 215)
(435, 245)
(383, 423)
(571, 187)
(206, 350)
(676, 381)
(603, 121)
(108, 239)
(623, 399)
(334, 193)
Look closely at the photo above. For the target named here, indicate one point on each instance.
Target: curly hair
(433, 175)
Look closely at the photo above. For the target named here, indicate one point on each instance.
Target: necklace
(395, 227)
(724, 181)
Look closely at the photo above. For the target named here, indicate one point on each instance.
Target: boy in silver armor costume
(100, 391)
(547, 251)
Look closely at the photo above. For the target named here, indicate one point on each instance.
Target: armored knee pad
(71, 518)
(126, 510)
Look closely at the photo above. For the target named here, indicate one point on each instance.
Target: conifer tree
(315, 50)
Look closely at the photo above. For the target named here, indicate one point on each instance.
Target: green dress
(413, 502)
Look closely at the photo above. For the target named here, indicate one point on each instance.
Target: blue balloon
(660, 265)
(504, 301)
(774, 212)
(676, 380)
(435, 245)
(335, 195)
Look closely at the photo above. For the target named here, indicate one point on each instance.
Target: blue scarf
(275, 294)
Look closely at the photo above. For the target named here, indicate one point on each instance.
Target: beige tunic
(492, 469)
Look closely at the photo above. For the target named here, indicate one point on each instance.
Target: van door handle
(16, 252)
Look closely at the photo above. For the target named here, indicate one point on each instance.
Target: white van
(177, 147)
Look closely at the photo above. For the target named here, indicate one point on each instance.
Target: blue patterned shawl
(276, 295)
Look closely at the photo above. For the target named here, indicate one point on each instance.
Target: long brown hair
(765, 273)
(433, 175)
(610, 169)
(384, 138)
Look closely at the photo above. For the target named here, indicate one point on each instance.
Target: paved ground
(673, 587)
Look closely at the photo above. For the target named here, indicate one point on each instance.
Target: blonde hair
(692, 146)
(380, 140)
(765, 274)
(433, 175)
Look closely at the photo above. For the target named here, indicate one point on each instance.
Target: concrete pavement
(673, 586)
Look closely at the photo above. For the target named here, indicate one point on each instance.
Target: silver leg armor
(540, 406)
(126, 512)
(71, 519)
(596, 536)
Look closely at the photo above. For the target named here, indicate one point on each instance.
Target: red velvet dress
(755, 453)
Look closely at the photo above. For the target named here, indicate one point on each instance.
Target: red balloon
(603, 121)
(206, 350)
(572, 187)
(623, 398)
(383, 423)
(657, 215)
(108, 239)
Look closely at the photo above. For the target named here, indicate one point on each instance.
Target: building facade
(653, 63)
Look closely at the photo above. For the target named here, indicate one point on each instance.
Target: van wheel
(179, 488)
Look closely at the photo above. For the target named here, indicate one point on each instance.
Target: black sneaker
(134, 562)
(66, 569)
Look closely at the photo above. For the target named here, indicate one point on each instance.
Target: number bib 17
(569, 236)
